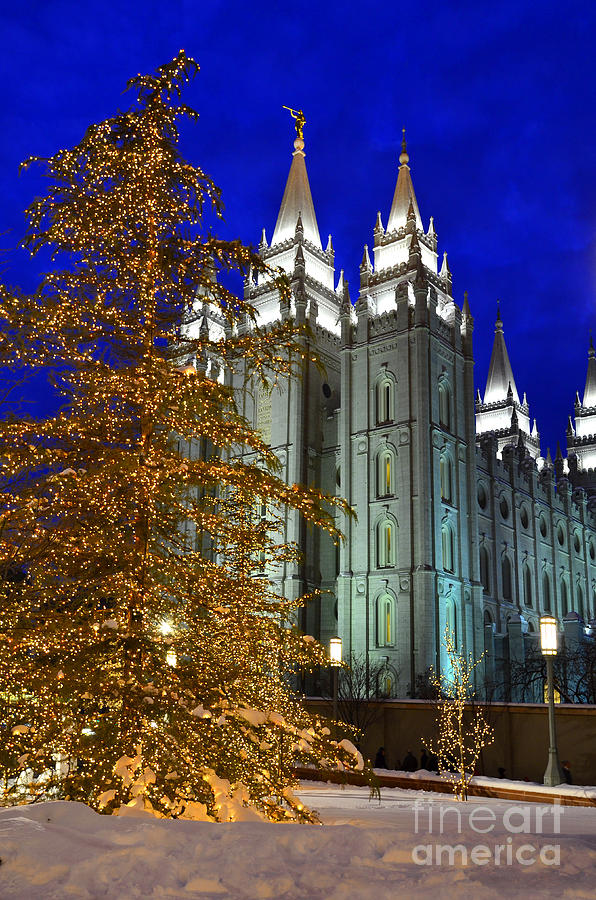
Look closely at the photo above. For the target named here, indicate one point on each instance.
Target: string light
(140, 660)
(462, 731)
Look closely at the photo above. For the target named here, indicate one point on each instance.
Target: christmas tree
(143, 664)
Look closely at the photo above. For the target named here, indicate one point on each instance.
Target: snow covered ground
(586, 792)
(365, 849)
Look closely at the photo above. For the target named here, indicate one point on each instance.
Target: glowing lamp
(548, 635)
(335, 651)
(171, 658)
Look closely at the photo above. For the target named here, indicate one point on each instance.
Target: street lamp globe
(335, 650)
(548, 635)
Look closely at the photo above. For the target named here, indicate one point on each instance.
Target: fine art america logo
(502, 830)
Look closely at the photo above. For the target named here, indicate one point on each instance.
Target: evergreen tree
(142, 663)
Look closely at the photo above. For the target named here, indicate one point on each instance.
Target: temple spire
(466, 307)
(500, 374)
(297, 199)
(590, 389)
(404, 193)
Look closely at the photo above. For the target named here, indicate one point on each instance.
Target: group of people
(430, 763)
(409, 763)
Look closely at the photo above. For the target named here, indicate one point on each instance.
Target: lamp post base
(554, 773)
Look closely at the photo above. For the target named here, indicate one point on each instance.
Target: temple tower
(290, 416)
(581, 435)
(407, 450)
(501, 411)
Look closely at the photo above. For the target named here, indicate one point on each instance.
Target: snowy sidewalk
(480, 786)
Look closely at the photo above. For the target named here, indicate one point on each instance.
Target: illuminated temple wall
(391, 427)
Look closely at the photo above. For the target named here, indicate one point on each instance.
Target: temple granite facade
(461, 521)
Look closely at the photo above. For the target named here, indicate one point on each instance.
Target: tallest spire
(297, 198)
(404, 193)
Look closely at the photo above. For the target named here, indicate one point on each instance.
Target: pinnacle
(590, 388)
(404, 159)
(297, 199)
(414, 245)
(500, 384)
(466, 307)
(404, 195)
(346, 303)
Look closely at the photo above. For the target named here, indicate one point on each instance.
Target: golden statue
(298, 115)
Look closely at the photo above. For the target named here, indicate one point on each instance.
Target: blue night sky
(498, 100)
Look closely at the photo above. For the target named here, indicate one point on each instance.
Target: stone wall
(521, 736)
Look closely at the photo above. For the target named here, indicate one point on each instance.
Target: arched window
(580, 601)
(444, 403)
(546, 592)
(385, 473)
(385, 621)
(564, 598)
(447, 547)
(385, 392)
(386, 544)
(446, 477)
(485, 569)
(527, 585)
(506, 575)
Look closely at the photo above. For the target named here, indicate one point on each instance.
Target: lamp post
(335, 656)
(548, 645)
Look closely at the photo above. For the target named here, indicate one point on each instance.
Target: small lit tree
(462, 731)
